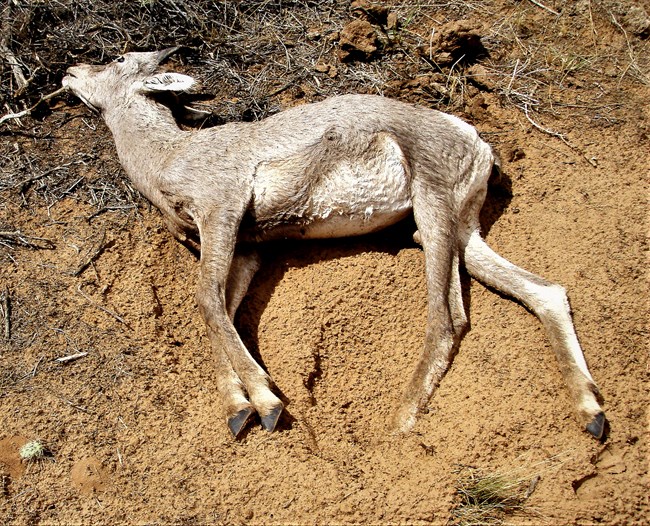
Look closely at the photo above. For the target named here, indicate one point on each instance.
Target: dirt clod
(357, 41)
(374, 13)
(88, 476)
(459, 40)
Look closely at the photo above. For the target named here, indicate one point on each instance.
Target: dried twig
(8, 56)
(72, 404)
(5, 305)
(6, 53)
(545, 130)
(71, 357)
(103, 309)
(29, 110)
(552, 133)
(539, 4)
(92, 257)
(24, 239)
(26, 182)
(630, 50)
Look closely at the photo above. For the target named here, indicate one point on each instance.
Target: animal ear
(168, 82)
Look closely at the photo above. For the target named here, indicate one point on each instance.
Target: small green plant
(33, 450)
(484, 499)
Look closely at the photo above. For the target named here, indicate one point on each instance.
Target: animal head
(119, 82)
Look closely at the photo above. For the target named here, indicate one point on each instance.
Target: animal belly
(346, 226)
(334, 193)
(352, 203)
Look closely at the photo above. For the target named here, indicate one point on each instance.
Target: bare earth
(135, 428)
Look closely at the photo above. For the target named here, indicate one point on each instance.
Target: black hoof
(270, 421)
(597, 426)
(237, 422)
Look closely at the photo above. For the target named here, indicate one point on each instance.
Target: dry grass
(494, 497)
(487, 498)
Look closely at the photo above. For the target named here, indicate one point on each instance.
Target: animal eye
(119, 59)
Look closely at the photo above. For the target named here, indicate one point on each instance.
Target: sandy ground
(135, 427)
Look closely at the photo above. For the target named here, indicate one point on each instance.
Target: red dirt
(135, 427)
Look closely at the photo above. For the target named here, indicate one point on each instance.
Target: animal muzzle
(72, 82)
(73, 72)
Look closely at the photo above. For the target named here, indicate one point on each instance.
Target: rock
(637, 21)
(89, 476)
(477, 108)
(511, 152)
(358, 41)
(391, 21)
(634, 18)
(326, 68)
(314, 34)
(393, 88)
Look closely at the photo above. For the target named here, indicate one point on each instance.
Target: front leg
(245, 264)
(238, 370)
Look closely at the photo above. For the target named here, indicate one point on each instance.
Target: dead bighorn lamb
(346, 166)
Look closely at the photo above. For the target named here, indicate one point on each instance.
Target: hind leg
(437, 232)
(245, 264)
(550, 304)
(456, 305)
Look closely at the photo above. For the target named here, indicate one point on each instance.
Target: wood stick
(29, 110)
(6, 312)
(71, 358)
(539, 4)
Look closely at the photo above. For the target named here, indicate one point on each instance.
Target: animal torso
(337, 168)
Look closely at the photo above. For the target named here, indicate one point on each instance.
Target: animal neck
(145, 135)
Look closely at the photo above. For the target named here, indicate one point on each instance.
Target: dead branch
(71, 358)
(630, 50)
(11, 59)
(24, 239)
(7, 55)
(559, 136)
(545, 130)
(25, 183)
(539, 4)
(29, 110)
(5, 306)
(103, 309)
(92, 257)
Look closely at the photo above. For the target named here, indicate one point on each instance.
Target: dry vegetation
(513, 68)
(253, 58)
(486, 499)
